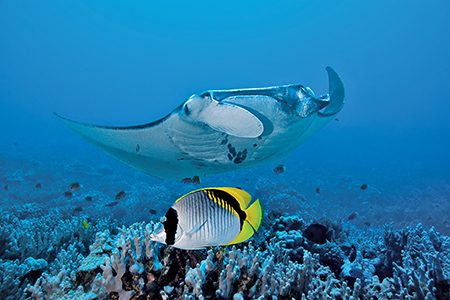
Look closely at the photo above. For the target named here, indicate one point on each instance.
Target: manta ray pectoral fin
(336, 102)
(143, 146)
(336, 92)
(231, 119)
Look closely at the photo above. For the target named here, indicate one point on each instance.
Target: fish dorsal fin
(231, 119)
(251, 224)
(187, 194)
(240, 195)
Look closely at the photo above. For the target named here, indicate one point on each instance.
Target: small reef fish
(364, 186)
(152, 211)
(193, 180)
(186, 180)
(210, 217)
(114, 203)
(120, 195)
(67, 194)
(6, 187)
(316, 233)
(88, 198)
(279, 169)
(352, 216)
(318, 190)
(85, 224)
(196, 180)
(74, 186)
(38, 186)
(77, 209)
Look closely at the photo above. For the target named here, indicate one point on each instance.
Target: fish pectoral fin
(196, 229)
(251, 223)
(232, 120)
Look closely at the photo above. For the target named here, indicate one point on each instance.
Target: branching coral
(281, 263)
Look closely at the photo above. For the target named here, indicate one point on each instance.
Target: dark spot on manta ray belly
(240, 157)
(236, 156)
(232, 150)
(224, 141)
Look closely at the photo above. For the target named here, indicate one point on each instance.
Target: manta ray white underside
(221, 130)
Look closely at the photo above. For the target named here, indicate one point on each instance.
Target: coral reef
(279, 263)
(37, 242)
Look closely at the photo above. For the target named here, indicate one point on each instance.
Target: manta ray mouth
(308, 104)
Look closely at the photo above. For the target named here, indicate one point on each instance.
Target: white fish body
(210, 217)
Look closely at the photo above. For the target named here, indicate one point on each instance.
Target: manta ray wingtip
(62, 117)
(329, 69)
(336, 92)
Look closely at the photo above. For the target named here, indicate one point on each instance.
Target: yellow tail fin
(254, 214)
(251, 223)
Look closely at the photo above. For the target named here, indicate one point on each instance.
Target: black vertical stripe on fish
(170, 226)
(196, 214)
(203, 232)
(232, 202)
(192, 215)
(207, 214)
(200, 219)
(223, 215)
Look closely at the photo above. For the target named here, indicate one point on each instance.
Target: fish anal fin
(246, 233)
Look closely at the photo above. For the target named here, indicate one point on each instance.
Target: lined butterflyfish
(210, 217)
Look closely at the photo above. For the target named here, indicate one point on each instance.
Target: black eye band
(170, 226)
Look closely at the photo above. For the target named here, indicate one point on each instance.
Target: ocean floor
(79, 229)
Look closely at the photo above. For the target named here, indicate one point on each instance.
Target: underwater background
(378, 177)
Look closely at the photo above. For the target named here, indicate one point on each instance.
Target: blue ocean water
(120, 63)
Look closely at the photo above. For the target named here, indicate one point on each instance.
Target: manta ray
(221, 130)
